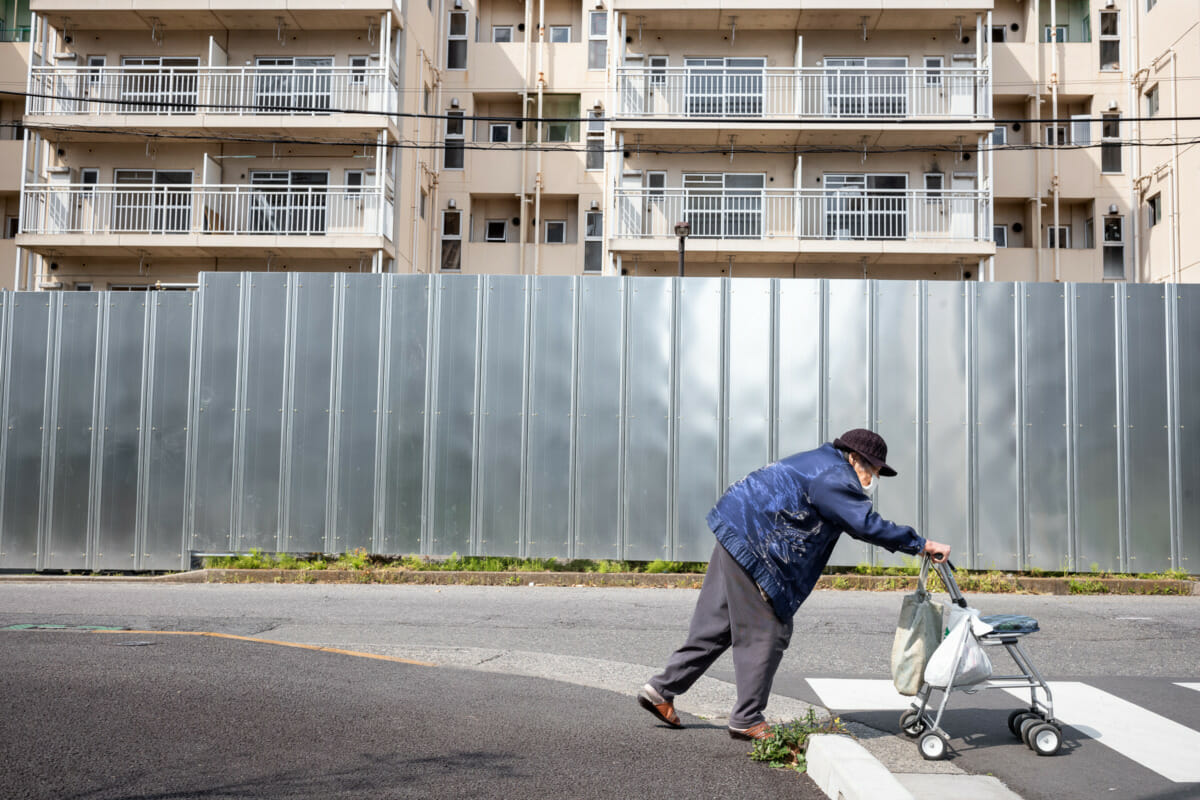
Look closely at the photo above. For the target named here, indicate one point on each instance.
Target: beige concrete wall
(8, 258)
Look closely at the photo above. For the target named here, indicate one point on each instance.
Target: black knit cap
(869, 445)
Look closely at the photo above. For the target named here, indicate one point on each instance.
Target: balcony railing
(803, 214)
(197, 209)
(207, 90)
(808, 92)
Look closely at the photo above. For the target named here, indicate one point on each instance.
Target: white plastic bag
(960, 655)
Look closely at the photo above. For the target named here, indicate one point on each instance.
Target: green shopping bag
(918, 634)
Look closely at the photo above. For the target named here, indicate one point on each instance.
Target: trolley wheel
(932, 747)
(1045, 739)
(1029, 723)
(911, 723)
(1016, 718)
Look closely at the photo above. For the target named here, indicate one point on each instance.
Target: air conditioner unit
(451, 203)
(1112, 105)
(458, 3)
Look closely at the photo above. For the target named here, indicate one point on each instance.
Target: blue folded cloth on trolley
(1010, 623)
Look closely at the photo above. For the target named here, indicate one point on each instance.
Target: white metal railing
(207, 209)
(836, 92)
(207, 90)
(803, 214)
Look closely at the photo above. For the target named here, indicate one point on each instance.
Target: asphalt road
(1138, 649)
(112, 715)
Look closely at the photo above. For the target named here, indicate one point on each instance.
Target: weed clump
(788, 743)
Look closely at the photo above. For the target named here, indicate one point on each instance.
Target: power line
(190, 106)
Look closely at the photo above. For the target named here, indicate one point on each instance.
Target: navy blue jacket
(782, 521)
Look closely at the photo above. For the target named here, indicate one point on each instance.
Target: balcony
(853, 93)
(201, 218)
(254, 96)
(776, 220)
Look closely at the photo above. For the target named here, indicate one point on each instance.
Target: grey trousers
(730, 611)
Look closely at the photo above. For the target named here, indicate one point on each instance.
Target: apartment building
(1088, 184)
(927, 139)
(14, 64)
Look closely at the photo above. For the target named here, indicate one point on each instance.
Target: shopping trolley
(1035, 725)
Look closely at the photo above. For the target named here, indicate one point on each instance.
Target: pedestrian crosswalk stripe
(1195, 686)
(857, 694)
(1153, 741)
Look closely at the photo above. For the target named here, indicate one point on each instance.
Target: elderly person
(775, 531)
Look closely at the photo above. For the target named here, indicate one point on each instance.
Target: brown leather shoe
(760, 731)
(653, 702)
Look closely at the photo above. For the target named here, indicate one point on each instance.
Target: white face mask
(872, 487)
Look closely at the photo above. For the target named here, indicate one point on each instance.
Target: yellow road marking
(339, 651)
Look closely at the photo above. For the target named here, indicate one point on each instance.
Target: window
(454, 140)
(556, 231)
(289, 201)
(999, 136)
(560, 34)
(12, 226)
(595, 140)
(656, 184)
(593, 241)
(1059, 237)
(999, 33)
(155, 201)
(95, 69)
(451, 240)
(284, 84)
(1154, 204)
(89, 177)
(456, 49)
(1000, 235)
(356, 179)
(502, 34)
(1114, 248)
(83, 287)
(658, 70)
(1057, 34)
(1110, 143)
(935, 182)
(1089, 233)
(558, 131)
(597, 39)
(500, 132)
(496, 230)
(933, 71)
(1110, 41)
(358, 70)
(1152, 101)
(1056, 135)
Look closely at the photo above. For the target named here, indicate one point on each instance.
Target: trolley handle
(945, 570)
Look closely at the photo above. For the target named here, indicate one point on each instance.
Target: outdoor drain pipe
(1176, 250)
(1054, 178)
(537, 184)
(522, 212)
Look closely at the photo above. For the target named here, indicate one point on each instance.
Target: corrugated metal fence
(1040, 425)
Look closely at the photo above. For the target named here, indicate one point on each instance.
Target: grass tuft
(788, 743)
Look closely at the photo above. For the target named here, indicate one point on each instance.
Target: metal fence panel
(947, 458)
(801, 327)
(1047, 480)
(550, 449)
(897, 344)
(28, 333)
(998, 504)
(1188, 424)
(261, 413)
(124, 318)
(502, 427)
(1033, 425)
(598, 438)
(847, 391)
(454, 472)
(218, 347)
(1097, 486)
(648, 377)
(406, 389)
(749, 381)
(698, 414)
(165, 460)
(357, 395)
(309, 399)
(1149, 475)
(66, 528)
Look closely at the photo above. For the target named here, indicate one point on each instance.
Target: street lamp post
(682, 229)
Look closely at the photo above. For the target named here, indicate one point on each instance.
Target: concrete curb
(842, 768)
(1007, 584)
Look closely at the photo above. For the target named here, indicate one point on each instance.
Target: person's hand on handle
(937, 551)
